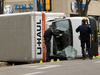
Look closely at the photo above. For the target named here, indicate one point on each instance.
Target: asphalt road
(68, 67)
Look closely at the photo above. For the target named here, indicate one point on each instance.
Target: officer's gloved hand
(59, 36)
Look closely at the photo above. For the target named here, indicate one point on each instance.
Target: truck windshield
(61, 43)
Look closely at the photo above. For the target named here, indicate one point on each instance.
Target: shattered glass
(68, 52)
(62, 45)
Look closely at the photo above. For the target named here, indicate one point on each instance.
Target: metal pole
(34, 5)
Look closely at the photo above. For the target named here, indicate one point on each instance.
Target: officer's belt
(47, 39)
(85, 37)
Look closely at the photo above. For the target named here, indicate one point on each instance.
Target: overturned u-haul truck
(21, 36)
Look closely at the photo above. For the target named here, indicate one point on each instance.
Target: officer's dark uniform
(47, 36)
(85, 32)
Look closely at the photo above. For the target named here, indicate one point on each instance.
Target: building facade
(66, 7)
(69, 7)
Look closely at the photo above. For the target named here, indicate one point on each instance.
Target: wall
(94, 8)
(62, 6)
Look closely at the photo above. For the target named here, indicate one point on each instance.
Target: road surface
(67, 67)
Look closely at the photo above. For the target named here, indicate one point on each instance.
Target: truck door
(94, 38)
(59, 43)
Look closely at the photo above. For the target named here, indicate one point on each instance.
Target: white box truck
(21, 35)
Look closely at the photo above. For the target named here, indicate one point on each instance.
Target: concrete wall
(62, 6)
(94, 8)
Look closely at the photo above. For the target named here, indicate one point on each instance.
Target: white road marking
(33, 73)
(96, 62)
(31, 66)
(50, 66)
(35, 66)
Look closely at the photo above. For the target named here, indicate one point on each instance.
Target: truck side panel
(15, 38)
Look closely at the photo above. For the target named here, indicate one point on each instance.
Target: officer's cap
(85, 19)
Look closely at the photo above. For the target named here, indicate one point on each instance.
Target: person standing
(85, 32)
(47, 37)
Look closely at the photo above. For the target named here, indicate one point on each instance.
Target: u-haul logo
(40, 30)
(39, 37)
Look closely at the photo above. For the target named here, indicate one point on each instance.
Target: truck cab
(67, 27)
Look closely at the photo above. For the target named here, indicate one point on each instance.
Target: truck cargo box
(21, 36)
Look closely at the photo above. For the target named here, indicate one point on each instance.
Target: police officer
(47, 36)
(85, 32)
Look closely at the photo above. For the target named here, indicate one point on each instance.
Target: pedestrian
(85, 32)
(47, 36)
